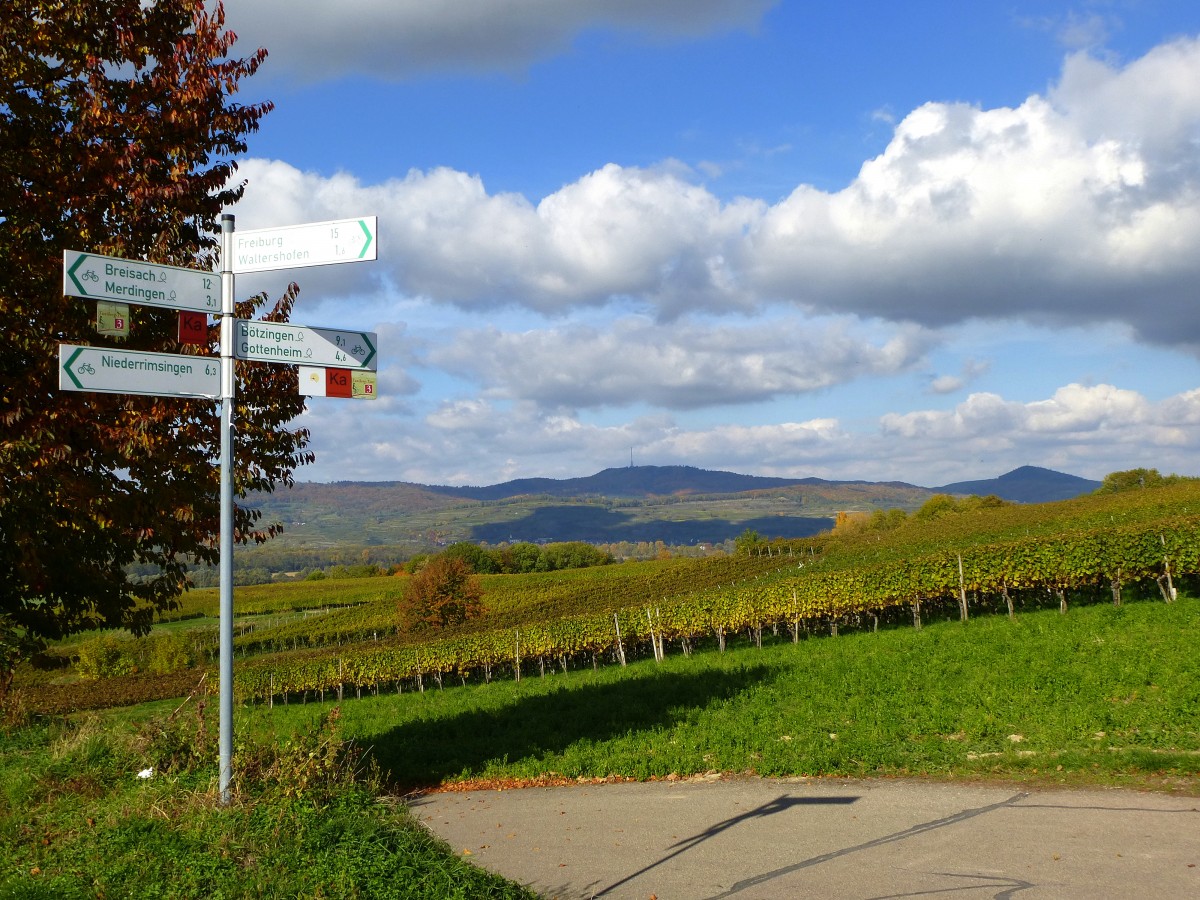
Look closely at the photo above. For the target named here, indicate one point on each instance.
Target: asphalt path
(764, 838)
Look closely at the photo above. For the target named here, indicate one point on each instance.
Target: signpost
(314, 244)
(350, 354)
(133, 281)
(109, 371)
(278, 342)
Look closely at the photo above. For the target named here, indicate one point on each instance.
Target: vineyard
(1082, 550)
(312, 639)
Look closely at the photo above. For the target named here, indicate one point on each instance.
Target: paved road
(757, 838)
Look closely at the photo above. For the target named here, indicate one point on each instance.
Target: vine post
(962, 592)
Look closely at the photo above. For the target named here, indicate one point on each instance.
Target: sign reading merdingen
(314, 244)
(108, 371)
(134, 281)
(278, 342)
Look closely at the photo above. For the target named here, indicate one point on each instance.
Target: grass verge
(306, 821)
(1101, 695)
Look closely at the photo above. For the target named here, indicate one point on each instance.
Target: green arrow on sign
(367, 231)
(366, 363)
(67, 367)
(71, 274)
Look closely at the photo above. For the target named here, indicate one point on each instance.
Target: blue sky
(926, 241)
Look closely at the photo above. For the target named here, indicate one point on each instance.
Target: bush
(105, 656)
(445, 592)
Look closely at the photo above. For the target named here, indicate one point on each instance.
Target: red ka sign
(193, 328)
(338, 383)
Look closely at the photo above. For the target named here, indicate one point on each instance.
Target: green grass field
(1102, 694)
(1099, 696)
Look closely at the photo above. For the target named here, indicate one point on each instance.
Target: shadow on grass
(426, 752)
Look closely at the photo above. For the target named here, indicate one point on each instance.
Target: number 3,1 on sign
(316, 381)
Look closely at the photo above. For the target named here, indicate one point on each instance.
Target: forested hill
(639, 482)
(1028, 484)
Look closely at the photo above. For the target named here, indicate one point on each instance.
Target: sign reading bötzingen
(278, 342)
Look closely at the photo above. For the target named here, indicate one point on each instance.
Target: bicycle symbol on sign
(87, 369)
(90, 275)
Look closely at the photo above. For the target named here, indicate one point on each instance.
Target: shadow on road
(778, 805)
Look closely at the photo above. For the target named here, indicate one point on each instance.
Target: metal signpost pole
(108, 370)
(226, 542)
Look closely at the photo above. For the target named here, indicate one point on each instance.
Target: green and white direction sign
(133, 281)
(108, 371)
(278, 342)
(314, 244)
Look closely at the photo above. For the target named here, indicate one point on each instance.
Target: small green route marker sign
(313, 244)
(112, 319)
(133, 281)
(108, 371)
(278, 342)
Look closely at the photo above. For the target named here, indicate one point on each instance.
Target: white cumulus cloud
(1079, 206)
(684, 365)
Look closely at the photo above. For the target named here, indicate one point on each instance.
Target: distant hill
(1028, 484)
(639, 482)
(677, 504)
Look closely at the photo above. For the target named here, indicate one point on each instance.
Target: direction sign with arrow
(108, 371)
(278, 342)
(314, 244)
(134, 281)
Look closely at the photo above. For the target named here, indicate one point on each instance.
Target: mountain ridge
(1025, 484)
(640, 481)
(677, 504)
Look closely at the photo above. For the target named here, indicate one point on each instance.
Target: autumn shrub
(445, 592)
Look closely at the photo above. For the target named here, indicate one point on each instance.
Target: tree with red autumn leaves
(118, 136)
(445, 592)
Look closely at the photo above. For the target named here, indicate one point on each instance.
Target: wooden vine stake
(517, 658)
(962, 592)
(620, 647)
(1164, 581)
(1007, 599)
(1165, 585)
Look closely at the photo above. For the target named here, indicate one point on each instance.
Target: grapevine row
(797, 596)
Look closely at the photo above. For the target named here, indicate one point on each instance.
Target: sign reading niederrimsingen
(108, 371)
